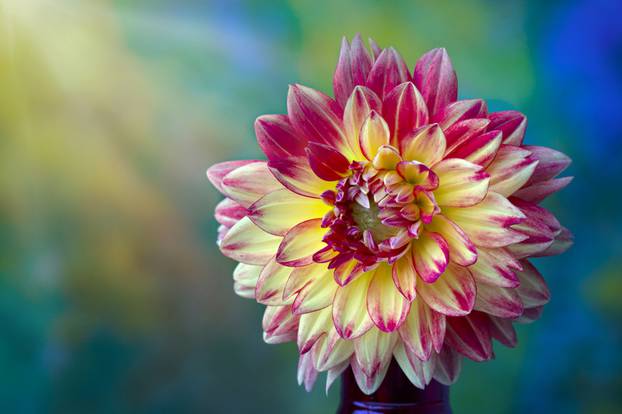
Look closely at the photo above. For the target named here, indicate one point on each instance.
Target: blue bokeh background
(113, 295)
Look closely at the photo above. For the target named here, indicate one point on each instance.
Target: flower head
(393, 221)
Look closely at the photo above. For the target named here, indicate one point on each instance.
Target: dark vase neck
(396, 395)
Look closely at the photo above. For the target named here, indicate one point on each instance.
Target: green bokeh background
(113, 295)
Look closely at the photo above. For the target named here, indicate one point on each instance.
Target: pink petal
(367, 384)
(436, 79)
(511, 123)
(417, 174)
(279, 339)
(277, 138)
(430, 255)
(404, 110)
(460, 111)
(228, 212)
(315, 295)
(480, 149)
(317, 117)
(307, 374)
(222, 233)
(539, 237)
(464, 131)
(551, 163)
(495, 267)
(563, 241)
(300, 277)
(249, 183)
(278, 323)
(469, 336)
(217, 172)
(453, 294)
(538, 213)
(423, 330)
(296, 175)
(510, 169)
(346, 270)
(448, 366)
(326, 162)
(388, 71)
(377, 50)
(331, 350)
(334, 373)
(498, 301)
(343, 84)
(531, 315)
(428, 207)
(537, 192)
(532, 290)
(503, 331)
(352, 68)
(418, 372)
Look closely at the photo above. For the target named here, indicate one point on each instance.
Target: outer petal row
(488, 223)
(436, 79)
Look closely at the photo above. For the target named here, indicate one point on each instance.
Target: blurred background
(113, 295)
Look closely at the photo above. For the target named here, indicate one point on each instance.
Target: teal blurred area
(113, 295)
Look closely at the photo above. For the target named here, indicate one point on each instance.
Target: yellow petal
(300, 243)
(453, 294)
(405, 276)
(349, 308)
(245, 279)
(511, 169)
(387, 158)
(461, 183)
(386, 305)
(461, 250)
(374, 134)
(249, 183)
(488, 223)
(312, 326)
(271, 282)
(317, 294)
(426, 145)
(373, 352)
(280, 210)
(247, 243)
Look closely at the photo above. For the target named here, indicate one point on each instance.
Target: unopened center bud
(367, 219)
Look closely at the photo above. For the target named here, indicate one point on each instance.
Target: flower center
(378, 209)
(368, 219)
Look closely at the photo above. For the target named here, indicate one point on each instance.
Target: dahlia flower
(392, 221)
